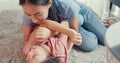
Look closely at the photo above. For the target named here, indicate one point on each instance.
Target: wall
(2, 1)
(101, 7)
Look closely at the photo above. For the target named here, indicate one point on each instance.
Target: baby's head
(40, 54)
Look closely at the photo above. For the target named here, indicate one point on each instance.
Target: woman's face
(36, 13)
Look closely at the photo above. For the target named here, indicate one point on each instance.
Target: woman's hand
(76, 38)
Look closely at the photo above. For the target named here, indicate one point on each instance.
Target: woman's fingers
(78, 39)
(77, 42)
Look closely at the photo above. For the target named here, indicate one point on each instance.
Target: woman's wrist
(72, 33)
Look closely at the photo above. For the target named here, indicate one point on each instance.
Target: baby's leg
(66, 42)
(64, 38)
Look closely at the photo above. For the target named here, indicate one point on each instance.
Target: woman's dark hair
(54, 13)
(35, 2)
(52, 60)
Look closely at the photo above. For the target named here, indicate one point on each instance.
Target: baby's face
(36, 55)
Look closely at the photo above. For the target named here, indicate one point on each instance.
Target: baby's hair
(52, 60)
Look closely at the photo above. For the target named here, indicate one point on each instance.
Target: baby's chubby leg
(64, 37)
(43, 33)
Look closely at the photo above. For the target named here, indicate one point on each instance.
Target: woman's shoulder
(68, 8)
(66, 3)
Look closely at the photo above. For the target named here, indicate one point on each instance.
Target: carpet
(11, 43)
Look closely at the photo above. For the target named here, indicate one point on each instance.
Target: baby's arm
(32, 53)
(35, 51)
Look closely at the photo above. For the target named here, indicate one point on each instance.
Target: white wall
(97, 5)
(101, 7)
(115, 11)
(2, 1)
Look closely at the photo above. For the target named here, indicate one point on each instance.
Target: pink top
(58, 49)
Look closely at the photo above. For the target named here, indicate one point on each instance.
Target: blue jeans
(92, 30)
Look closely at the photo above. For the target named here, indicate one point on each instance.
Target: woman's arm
(26, 31)
(74, 23)
(74, 36)
(58, 27)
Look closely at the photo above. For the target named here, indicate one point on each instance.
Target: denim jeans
(92, 30)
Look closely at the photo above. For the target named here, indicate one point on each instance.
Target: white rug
(11, 43)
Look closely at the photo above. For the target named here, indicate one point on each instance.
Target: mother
(79, 17)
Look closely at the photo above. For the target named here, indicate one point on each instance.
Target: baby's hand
(31, 53)
(27, 48)
(76, 38)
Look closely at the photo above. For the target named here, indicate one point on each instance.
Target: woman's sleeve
(27, 22)
(72, 9)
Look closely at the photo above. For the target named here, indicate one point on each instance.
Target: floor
(11, 40)
(9, 5)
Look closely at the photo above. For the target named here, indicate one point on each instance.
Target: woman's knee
(90, 40)
(89, 45)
